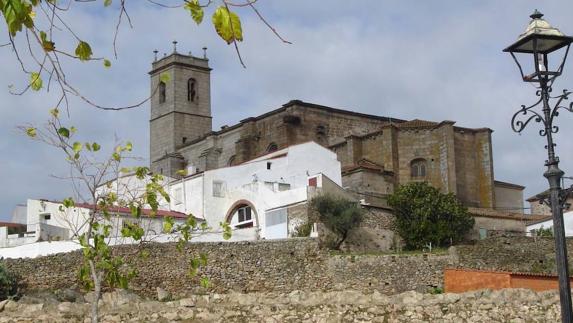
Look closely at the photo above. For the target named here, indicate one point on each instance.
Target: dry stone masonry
(515, 305)
(264, 266)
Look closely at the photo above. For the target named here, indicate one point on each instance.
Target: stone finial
(536, 15)
(205, 52)
(174, 46)
(155, 55)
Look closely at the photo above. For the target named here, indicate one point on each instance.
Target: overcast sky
(435, 60)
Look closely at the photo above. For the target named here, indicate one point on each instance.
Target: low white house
(264, 198)
(548, 223)
(47, 221)
(257, 194)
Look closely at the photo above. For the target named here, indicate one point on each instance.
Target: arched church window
(272, 147)
(161, 92)
(418, 168)
(191, 90)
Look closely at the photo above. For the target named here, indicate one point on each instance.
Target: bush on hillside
(8, 283)
(424, 215)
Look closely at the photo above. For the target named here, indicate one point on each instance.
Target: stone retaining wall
(510, 305)
(262, 266)
(514, 254)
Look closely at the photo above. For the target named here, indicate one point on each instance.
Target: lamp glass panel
(543, 45)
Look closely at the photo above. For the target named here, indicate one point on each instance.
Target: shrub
(303, 230)
(8, 283)
(544, 232)
(338, 214)
(425, 215)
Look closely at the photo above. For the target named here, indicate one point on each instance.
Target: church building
(377, 153)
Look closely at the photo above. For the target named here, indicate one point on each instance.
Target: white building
(264, 198)
(257, 194)
(547, 223)
(48, 221)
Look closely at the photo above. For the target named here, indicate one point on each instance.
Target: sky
(434, 60)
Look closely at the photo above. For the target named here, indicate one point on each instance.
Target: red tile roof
(492, 213)
(146, 212)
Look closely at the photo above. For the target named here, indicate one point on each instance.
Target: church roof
(290, 104)
(417, 123)
(399, 123)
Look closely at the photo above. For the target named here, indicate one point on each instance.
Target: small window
(482, 233)
(313, 182)
(418, 168)
(45, 216)
(270, 186)
(269, 164)
(178, 196)
(272, 147)
(243, 217)
(284, 187)
(191, 91)
(218, 189)
(162, 92)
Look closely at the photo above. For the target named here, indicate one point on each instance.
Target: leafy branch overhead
(97, 214)
(45, 25)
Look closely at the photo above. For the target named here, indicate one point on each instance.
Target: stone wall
(283, 266)
(515, 254)
(263, 266)
(517, 305)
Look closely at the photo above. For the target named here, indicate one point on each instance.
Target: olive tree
(338, 214)
(425, 215)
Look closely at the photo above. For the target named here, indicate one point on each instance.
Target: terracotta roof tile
(492, 213)
(146, 212)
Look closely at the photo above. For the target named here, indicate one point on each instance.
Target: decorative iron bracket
(524, 115)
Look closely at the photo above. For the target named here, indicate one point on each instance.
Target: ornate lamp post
(538, 42)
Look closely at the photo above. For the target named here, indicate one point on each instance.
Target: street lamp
(538, 42)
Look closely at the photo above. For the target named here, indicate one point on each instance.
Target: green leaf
(68, 202)
(47, 45)
(164, 77)
(95, 146)
(54, 112)
(227, 24)
(196, 10)
(77, 147)
(88, 146)
(83, 51)
(31, 132)
(168, 224)
(106, 63)
(35, 81)
(205, 282)
(64, 132)
(116, 156)
(17, 13)
(128, 146)
(106, 3)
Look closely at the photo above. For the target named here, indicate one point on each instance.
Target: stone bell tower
(180, 108)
